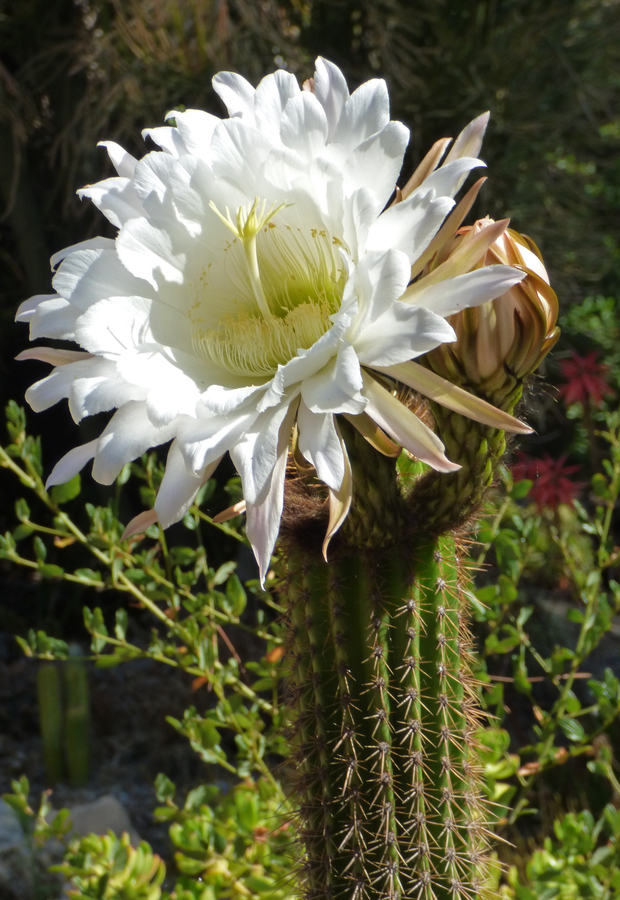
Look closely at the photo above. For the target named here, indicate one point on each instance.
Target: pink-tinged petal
(230, 512)
(330, 88)
(336, 388)
(263, 519)
(179, 486)
(128, 435)
(401, 333)
(452, 397)
(139, 524)
(53, 356)
(404, 427)
(472, 289)
(321, 445)
(339, 501)
(469, 141)
(71, 463)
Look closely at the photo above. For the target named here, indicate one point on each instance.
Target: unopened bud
(500, 342)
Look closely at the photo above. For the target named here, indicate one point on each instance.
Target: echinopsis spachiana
(387, 772)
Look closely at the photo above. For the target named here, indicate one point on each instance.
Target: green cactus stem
(77, 720)
(386, 771)
(49, 690)
(384, 711)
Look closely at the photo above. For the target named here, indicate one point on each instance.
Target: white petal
(53, 318)
(321, 445)
(255, 453)
(340, 500)
(271, 97)
(147, 252)
(410, 226)
(263, 519)
(123, 162)
(71, 463)
(308, 362)
(27, 308)
(204, 440)
(366, 112)
(196, 129)
(331, 91)
(167, 138)
(472, 289)
(376, 163)
(128, 435)
(96, 243)
(336, 388)
(304, 125)
(446, 180)
(179, 487)
(116, 198)
(380, 279)
(235, 92)
(86, 276)
(405, 428)
(401, 333)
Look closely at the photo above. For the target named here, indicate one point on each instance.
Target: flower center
(294, 282)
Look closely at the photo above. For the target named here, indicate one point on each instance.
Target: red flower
(585, 381)
(550, 482)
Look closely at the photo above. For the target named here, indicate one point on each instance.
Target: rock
(103, 815)
(17, 866)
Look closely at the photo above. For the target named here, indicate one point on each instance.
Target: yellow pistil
(249, 223)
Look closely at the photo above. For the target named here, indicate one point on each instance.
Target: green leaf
(235, 595)
(573, 729)
(40, 550)
(48, 570)
(62, 493)
(521, 489)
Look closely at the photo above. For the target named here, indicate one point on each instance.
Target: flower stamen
(248, 225)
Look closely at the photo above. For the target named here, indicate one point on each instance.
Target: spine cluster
(385, 717)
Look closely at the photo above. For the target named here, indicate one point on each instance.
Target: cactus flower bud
(502, 341)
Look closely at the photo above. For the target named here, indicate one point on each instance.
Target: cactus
(386, 774)
(383, 701)
(64, 714)
(49, 691)
(77, 720)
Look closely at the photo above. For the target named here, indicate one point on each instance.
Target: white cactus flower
(256, 282)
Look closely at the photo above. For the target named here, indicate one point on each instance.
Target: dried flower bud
(500, 342)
